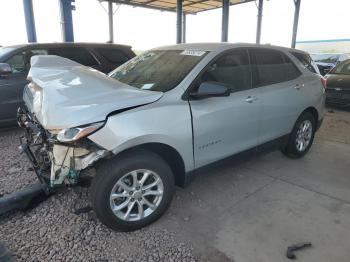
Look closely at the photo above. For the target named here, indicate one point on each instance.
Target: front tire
(302, 136)
(132, 190)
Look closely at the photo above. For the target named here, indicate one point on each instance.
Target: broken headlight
(75, 133)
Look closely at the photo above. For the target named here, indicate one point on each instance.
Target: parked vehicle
(338, 85)
(157, 119)
(15, 64)
(326, 62)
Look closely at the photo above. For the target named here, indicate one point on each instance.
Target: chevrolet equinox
(155, 120)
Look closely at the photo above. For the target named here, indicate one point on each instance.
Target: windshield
(325, 58)
(159, 70)
(343, 68)
(5, 50)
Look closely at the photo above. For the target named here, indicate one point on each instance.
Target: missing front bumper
(66, 164)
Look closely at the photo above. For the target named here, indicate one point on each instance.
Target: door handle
(298, 86)
(251, 99)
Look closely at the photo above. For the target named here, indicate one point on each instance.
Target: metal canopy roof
(188, 6)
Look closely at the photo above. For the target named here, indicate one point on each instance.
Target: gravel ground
(52, 232)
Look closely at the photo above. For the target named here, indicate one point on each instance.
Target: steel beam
(184, 28)
(67, 20)
(178, 21)
(110, 21)
(225, 20)
(296, 21)
(258, 26)
(29, 19)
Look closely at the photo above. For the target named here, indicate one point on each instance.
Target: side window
(306, 60)
(291, 71)
(273, 67)
(77, 54)
(17, 62)
(232, 69)
(34, 52)
(114, 56)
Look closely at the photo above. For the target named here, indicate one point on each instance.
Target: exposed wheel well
(170, 155)
(313, 111)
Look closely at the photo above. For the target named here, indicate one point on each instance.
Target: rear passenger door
(280, 85)
(223, 126)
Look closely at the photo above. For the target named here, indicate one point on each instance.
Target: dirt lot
(246, 212)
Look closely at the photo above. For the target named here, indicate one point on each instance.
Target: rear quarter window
(306, 60)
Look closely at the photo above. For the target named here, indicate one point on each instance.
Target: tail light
(324, 82)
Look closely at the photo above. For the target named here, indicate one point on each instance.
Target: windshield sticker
(147, 86)
(193, 52)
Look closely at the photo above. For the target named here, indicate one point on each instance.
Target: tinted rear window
(273, 67)
(343, 68)
(77, 54)
(113, 56)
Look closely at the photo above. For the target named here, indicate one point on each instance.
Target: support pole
(178, 21)
(258, 27)
(296, 21)
(110, 21)
(225, 19)
(67, 20)
(184, 28)
(29, 19)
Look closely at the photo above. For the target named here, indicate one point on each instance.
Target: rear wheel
(132, 191)
(302, 136)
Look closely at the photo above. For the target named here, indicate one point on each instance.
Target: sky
(144, 28)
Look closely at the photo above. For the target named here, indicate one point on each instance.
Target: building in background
(325, 46)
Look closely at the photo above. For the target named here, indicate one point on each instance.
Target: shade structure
(188, 6)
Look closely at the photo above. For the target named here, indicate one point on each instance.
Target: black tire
(110, 171)
(291, 149)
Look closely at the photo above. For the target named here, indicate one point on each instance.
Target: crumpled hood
(69, 94)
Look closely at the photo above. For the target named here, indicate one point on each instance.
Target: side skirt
(276, 144)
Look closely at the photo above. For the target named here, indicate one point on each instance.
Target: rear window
(325, 58)
(113, 56)
(306, 60)
(273, 67)
(77, 54)
(343, 68)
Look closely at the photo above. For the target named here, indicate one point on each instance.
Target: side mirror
(5, 69)
(210, 89)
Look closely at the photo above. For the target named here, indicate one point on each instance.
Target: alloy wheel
(136, 195)
(304, 135)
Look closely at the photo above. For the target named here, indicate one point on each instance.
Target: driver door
(11, 86)
(223, 126)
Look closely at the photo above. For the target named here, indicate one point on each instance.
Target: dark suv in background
(15, 64)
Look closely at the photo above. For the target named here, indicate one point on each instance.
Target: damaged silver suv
(155, 120)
